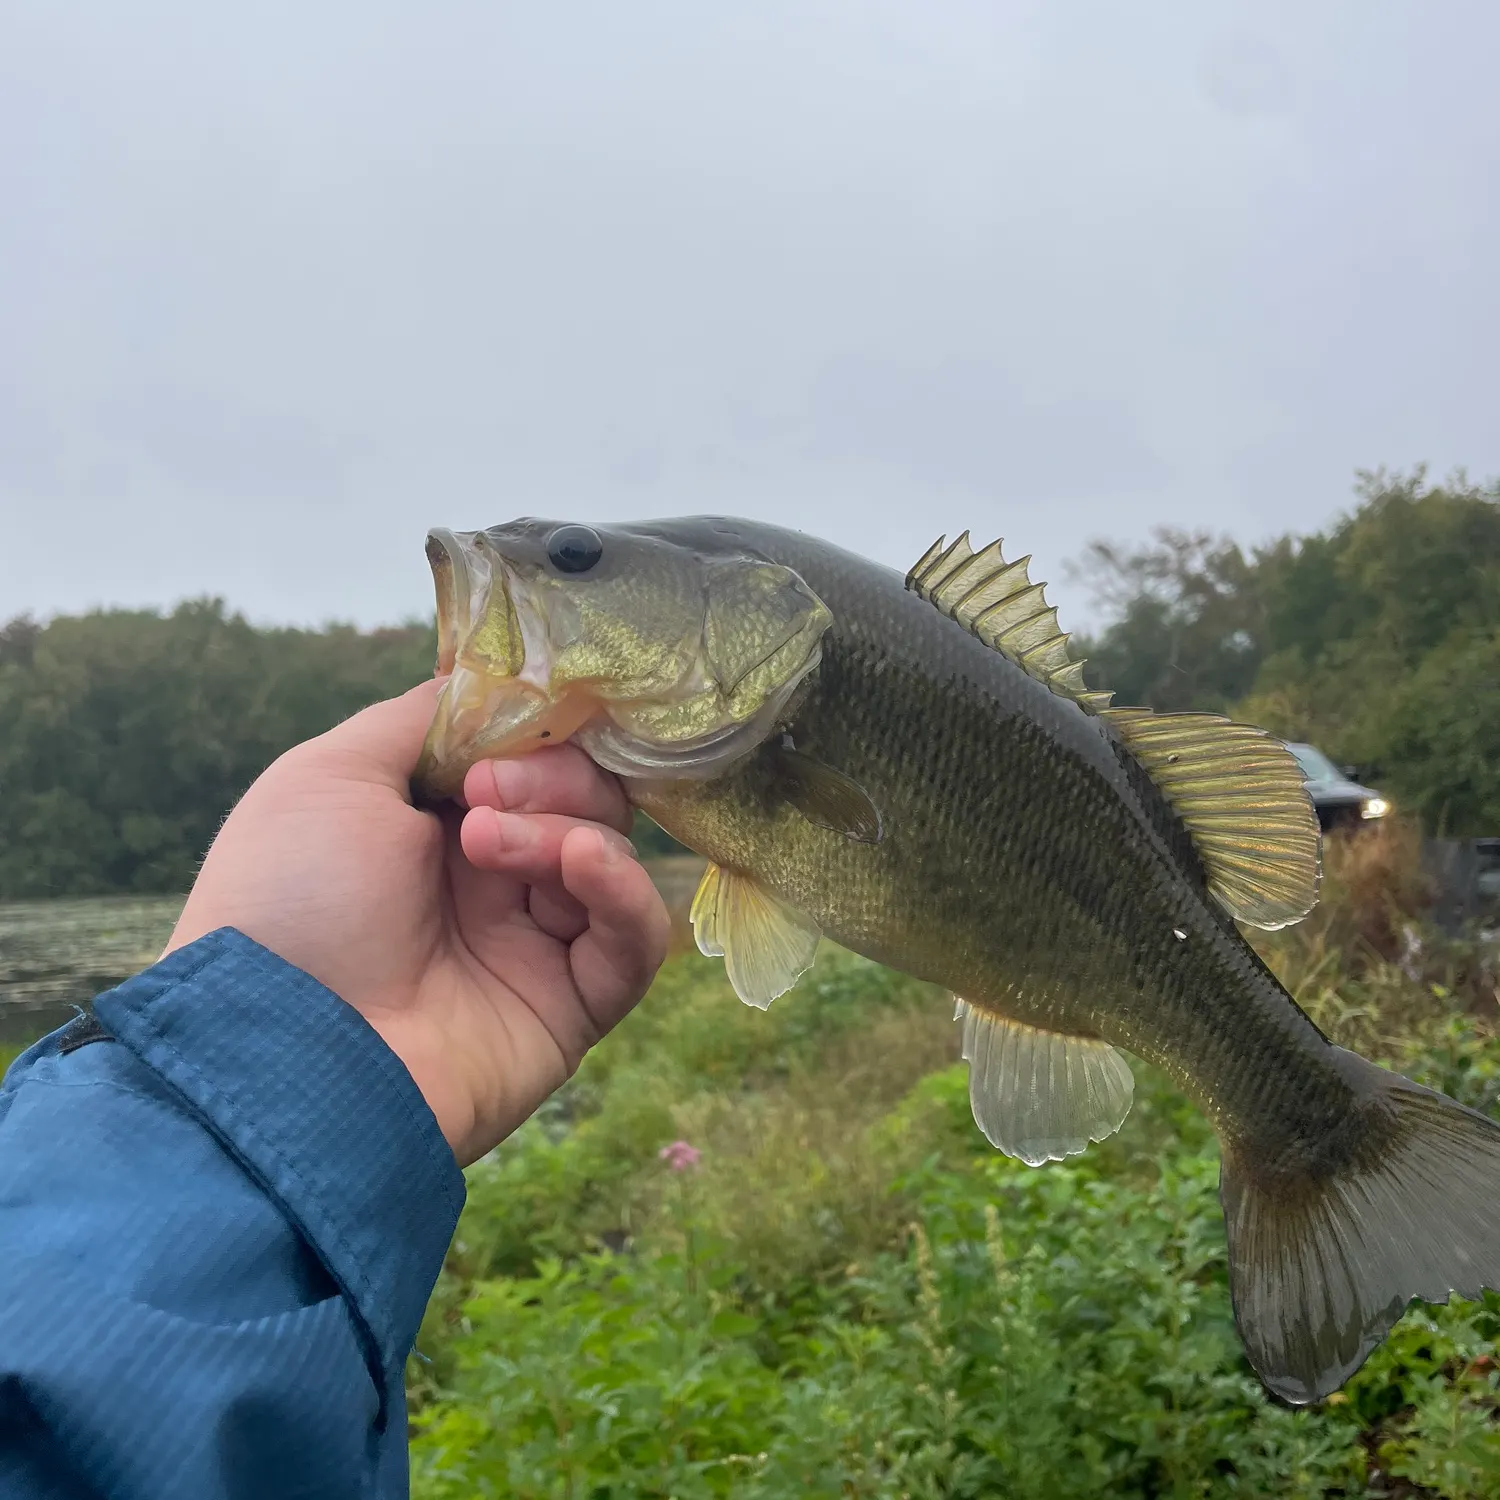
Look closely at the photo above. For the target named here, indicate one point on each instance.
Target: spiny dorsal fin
(996, 601)
(1244, 800)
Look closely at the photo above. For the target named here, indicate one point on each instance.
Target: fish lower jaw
(483, 718)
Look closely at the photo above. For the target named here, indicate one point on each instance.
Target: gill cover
(661, 655)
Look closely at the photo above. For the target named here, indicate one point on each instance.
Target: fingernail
(616, 848)
(515, 832)
(512, 781)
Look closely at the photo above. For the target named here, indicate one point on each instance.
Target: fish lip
(453, 581)
(467, 569)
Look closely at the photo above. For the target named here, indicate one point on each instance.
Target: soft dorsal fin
(1244, 800)
(996, 601)
(1040, 1095)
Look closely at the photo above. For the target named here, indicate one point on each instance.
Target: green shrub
(1036, 1333)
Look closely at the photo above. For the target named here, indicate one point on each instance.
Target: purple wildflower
(679, 1156)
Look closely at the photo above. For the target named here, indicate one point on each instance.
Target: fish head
(663, 649)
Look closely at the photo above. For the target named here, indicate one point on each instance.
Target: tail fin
(1320, 1267)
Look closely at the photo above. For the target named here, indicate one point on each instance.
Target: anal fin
(766, 944)
(1040, 1095)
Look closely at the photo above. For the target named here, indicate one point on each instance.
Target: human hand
(490, 948)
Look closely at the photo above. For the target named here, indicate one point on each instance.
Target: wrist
(430, 1068)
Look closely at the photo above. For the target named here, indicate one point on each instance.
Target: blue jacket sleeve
(218, 1231)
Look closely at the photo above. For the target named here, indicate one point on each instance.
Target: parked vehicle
(1341, 802)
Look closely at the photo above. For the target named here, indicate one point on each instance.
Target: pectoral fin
(829, 798)
(1039, 1095)
(766, 944)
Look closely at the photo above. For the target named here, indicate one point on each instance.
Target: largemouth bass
(914, 768)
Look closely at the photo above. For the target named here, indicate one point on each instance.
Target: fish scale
(1071, 872)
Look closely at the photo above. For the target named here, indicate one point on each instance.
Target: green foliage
(1394, 662)
(1083, 1349)
(850, 1294)
(1188, 620)
(1379, 640)
(693, 1060)
(125, 736)
(653, 841)
(1441, 731)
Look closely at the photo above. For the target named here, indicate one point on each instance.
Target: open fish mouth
(454, 579)
(489, 704)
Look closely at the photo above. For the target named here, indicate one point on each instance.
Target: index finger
(560, 779)
(625, 943)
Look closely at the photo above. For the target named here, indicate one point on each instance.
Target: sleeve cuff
(317, 1109)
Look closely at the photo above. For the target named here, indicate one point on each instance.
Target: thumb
(383, 742)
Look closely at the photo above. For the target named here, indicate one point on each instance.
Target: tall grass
(1377, 978)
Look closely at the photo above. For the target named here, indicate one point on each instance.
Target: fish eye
(574, 549)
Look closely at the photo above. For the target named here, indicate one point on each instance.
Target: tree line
(1377, 639)
(125, 735)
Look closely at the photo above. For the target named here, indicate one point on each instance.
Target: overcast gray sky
(282, 285)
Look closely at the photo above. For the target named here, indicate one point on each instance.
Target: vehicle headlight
(1374, 807)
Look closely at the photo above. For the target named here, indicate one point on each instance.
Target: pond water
(55, 955)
